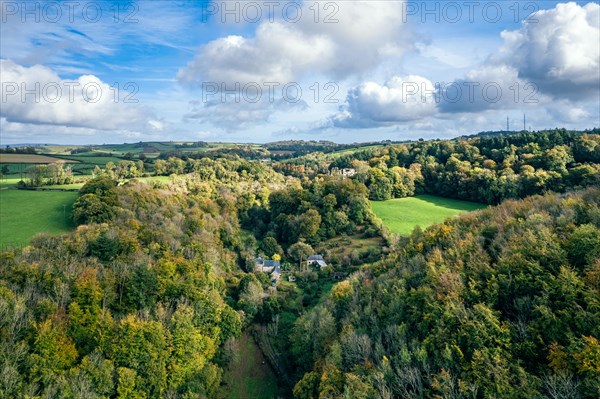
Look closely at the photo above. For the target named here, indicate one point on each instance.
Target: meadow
(402, 215)
(90, 159)
(249, 374)
(26, 213)
(18, 163)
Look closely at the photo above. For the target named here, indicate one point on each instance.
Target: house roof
(271, 263)
(315, 257)
(267, 262)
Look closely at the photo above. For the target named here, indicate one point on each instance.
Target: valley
(230, 273)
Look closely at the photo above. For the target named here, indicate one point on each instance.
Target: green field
(249, 376)
(402, 215)
(23, 214)
(6, 182)
(95, 160)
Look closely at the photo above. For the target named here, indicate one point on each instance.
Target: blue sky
(344, 71)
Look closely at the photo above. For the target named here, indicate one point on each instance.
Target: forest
(485, 169)
(148, 295)
(502, 303)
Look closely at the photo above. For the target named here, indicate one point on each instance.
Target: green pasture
(402, 215)
(25, 213)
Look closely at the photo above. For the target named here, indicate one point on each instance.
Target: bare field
(31, 158)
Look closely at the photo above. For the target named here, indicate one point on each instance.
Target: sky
(94, 72)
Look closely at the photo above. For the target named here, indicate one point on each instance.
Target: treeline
(48, 174)
(131, 305)
(482, 169)
(306, 166)
(241, 151)
(122, 170)
(18, 150)
(501, 303)
(296, 148)
(215, 169)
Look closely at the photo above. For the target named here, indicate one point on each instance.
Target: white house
(345, 172)
(316, 259)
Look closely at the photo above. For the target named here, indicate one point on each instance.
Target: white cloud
(365, 33)
(401, 99)
(37, 95)
(554, 56)
(361, 35)
(558, 49)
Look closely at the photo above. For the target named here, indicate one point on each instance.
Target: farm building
(269, 266)
(345, 172)
(266, 265)
(316, 260)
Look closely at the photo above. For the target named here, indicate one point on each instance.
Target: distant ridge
(31, 145)
(514, 132)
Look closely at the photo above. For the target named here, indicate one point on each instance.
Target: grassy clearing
(23, 214)
(339, 250)
(402, 215)
(249, 376)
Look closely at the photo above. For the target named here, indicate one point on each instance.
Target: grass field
(249, 376)
(402, 215)
(96, 160)
(23, 214)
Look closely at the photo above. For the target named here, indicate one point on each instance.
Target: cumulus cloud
(554, 56)
(37, 95)
(548, 68)
(365, 33)
(558, 50)
(400, 99)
